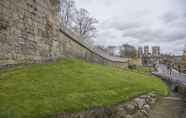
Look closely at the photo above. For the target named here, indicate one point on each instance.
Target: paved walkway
(175, 76)
(169, 107)
(172, 106)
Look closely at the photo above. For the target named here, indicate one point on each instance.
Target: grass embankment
(143, 70)
(68, 85)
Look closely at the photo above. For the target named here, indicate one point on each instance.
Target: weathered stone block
(140, 102)
(130, 108)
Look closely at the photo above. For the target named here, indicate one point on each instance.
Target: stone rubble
(137, 108)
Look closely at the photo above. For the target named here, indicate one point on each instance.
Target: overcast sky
(140, 22)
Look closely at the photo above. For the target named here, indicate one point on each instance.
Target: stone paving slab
(168, 108)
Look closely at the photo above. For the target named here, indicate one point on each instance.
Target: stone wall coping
(104, 55)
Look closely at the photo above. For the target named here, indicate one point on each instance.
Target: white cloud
(140, 22)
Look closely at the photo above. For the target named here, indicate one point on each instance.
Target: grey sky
(140, 22)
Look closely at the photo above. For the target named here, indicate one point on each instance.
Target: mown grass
(143, 70)
(69, 85)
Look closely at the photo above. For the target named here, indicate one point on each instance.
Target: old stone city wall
(30, 33)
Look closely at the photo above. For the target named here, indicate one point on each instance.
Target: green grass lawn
(68, 85)
(143, 70)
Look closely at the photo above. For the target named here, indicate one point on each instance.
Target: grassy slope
(143, 70)
(68, 85)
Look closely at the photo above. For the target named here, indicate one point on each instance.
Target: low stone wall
(137, 62)
(137, 108)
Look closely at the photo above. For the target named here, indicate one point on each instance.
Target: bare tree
(85, 24)
(128, 51)
(111, 50)
(78, 20)
(67, 12)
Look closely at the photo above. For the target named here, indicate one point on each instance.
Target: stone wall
(30, 33)
(137, 61)
(26, 31)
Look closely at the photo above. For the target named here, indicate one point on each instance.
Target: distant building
(128, 51)
(165, 59)
(184, 60)
(155, 51)
(140, 52)
(146, 50)
(184, 55)
(178, 61)
(111, 50)
(151, 58)
(100, 48)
